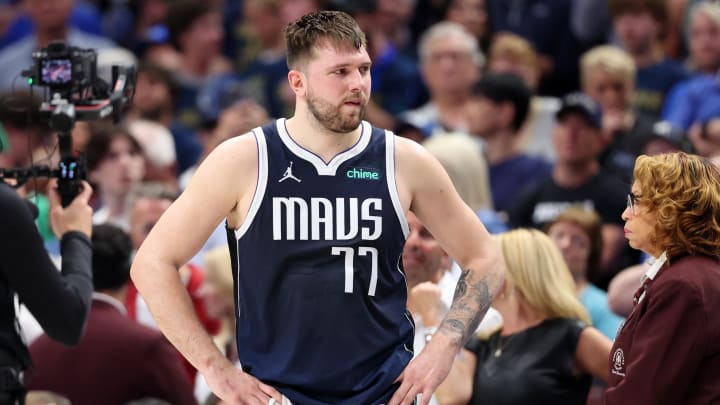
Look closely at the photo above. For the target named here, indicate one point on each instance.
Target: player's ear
(298, 82)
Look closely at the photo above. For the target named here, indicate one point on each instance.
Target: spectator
(22, 131)
(115, 164)
(640, 26)
(696, 101)
(664, 138)
(51, 20)
(704, 38)
(608, 76)
(510, 53)
(137, 24)
(116, 360)
(154, 94)
(196, 31)
(674, 41)
(544, 352)
(576, 178)
(450, 62)
(261, 63)
(578, 235)
(393, 17)
(560, 31)
(84, 16)
(499, 107)
(471, 14)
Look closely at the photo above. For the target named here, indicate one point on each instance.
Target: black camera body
(64, 69)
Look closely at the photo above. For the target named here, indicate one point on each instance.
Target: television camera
(72, 92)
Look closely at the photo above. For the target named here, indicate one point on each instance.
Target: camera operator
(60, 301)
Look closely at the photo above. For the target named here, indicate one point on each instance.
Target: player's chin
(348, 124)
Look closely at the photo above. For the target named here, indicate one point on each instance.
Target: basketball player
(315, 209)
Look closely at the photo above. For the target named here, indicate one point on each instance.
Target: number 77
(350, 268)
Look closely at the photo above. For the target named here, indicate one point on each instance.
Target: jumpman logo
(288, 175)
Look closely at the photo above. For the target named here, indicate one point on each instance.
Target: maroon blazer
(117, 361)
(668, 351)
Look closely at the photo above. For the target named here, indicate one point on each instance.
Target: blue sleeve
(603, 319)
(678, 108)
(608, 323)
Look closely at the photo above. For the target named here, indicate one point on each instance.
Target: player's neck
(318, 139)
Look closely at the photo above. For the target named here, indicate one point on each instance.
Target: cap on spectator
(671, 134)
(582, 104)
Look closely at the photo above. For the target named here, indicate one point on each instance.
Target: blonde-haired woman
(668, 351)
(608, 77)
(544, 353)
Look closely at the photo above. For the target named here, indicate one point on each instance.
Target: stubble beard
(331, 117)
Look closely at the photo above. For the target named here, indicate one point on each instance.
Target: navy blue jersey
(321, 294)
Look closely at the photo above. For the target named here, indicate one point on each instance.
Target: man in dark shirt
(499, 107)
(576, 178)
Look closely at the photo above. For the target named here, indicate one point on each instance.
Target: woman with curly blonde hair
(668, 350)
(545, 352)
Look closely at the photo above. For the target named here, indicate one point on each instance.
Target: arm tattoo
(471, 301)
(461, 287)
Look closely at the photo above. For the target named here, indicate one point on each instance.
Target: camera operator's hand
(75, 217)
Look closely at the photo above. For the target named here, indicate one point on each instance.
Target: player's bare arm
(426, 190)
(221, 187)
(461, 233)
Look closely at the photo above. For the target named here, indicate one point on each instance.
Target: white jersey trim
(325, 169)
(260, 185)
(407, 314)
(392, 184)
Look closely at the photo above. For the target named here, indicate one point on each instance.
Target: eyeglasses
(632, 200)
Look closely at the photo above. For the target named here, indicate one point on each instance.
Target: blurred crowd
(536, 108)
